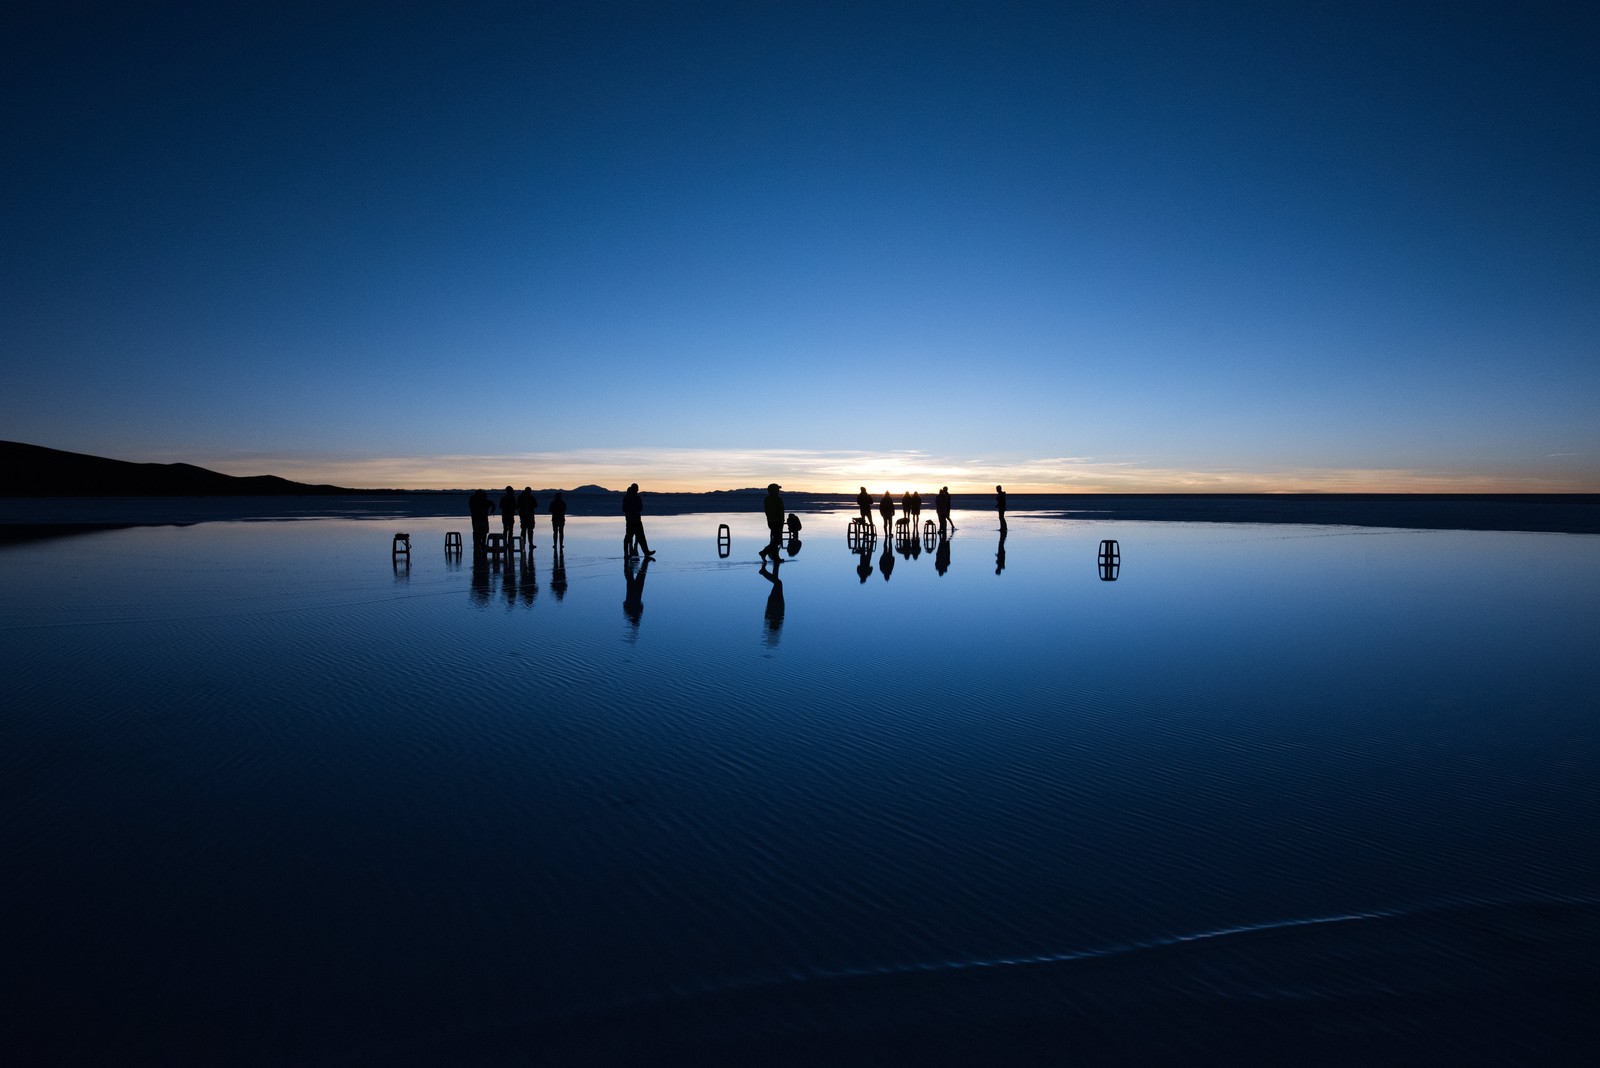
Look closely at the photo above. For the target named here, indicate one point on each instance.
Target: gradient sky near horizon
(1099, 246)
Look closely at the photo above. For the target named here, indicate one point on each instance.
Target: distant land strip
(41, 487)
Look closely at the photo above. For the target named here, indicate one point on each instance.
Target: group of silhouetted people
(911, 507)
(515, 506)
(524, 506)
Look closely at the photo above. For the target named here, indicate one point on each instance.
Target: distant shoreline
(1547, 513)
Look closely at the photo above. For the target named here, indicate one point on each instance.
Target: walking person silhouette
(864, 502)
(773, 506)
(633, 532)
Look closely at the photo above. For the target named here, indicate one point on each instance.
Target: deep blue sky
(1109, 246)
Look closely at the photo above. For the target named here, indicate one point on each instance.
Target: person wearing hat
(773, 506)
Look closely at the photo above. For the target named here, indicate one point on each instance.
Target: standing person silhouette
(886, 509)
(508, 513)
(633, 533)
(479, 507)
(864, 502)
(941, 506)
(1000, 504)
(916, 509)
(527, 508)
(558, 522)
(773, 506)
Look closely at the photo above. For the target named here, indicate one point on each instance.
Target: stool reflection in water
(860, 536)
(1110, 560)
(497, 544)
(452, 543)
(402, 546)
(724, 540)
(930, 535)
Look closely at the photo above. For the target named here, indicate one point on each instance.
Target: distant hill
(35, 471)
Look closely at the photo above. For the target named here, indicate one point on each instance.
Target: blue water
(270, 797)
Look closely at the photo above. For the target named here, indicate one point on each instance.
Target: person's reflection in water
(1000, 553)
(633, 601)
(480, 579)
(864, 563)
(941, 559)
(886, 560)
(558, 574)
(774, 613)
(508, 578)
(530, 580)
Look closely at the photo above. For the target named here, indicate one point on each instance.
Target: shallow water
(270, 797)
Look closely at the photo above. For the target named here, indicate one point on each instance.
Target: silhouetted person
(886, 509)
(916, 508)
(886, 559)
(1000, 504)
(633, 600)
(558, 574)
(864, 565)
(479, 506)
(558, 522)
(633, 513)
(508, 513)
(1000, 553)
(774, 612)
(905, 507)
(941, 560)
(941, 507)
(864, 502)
(772, 504)
(527, 508)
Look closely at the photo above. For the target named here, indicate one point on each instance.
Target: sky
(1115, 247)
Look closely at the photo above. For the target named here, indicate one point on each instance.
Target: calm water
(1322, 792)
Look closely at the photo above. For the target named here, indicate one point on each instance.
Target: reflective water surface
(272, 796)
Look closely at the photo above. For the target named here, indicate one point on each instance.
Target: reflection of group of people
(515, 506)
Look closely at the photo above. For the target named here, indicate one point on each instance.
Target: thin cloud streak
(841, 471)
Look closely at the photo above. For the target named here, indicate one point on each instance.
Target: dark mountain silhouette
(35, 471)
